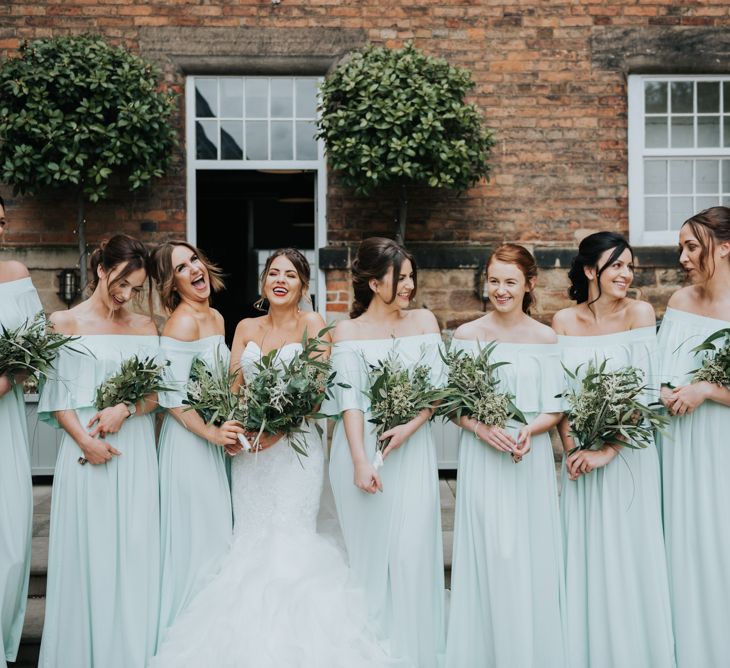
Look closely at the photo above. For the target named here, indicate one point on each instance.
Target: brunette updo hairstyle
(164, 272)
(520, 256)
(377, 256)
(589, 253)
(301, 265)
(710, 226)
(121, 249)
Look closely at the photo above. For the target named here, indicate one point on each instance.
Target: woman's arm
(96, 451)
(366, 476)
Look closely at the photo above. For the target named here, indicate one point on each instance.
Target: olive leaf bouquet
(397, 395)
(473, 390)
(715, 367)
(604, 408)
(30, 348)
(137, 377)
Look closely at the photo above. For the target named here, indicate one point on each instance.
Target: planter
(44, 440)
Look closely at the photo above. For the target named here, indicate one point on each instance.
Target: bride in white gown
(282, 596)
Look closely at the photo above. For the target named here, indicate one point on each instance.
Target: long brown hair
(375, 257)
(164, 272)
(710, 226)
(520, 256)
(301, 265)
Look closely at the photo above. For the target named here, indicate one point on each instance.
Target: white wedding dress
(282, 596)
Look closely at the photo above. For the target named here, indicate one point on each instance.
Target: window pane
(702, 203)
(306, 143)
(306, 98)
(726, 96)
(726, 201)
(206, 144)
(655, 213)
(680, 176)
(257, 140)
(707, 176)
(232, 98)
(281, 140)
(708, 97)
(282, 101)
(655, 129)
(726, 176)
(206, 98)
(680, 208)
(682, 132)
(726, 131)
(655, 97)
(655, 177)
(708, 131)
(231, 140)
(257, 98)
(682, 97)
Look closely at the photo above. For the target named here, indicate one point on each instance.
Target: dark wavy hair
(589, 254)
(710, 226)
(121, 249)
(520, 256)
(376, 257)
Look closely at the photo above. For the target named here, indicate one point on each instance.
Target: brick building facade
(552, 80)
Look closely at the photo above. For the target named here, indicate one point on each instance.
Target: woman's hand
(398, 436)
(265, 440)
(665, 394)
(496, 437)
(367, 478)
(97, 451)
(585, 461)
(685, 399)
(108, 420)
(225, 435)
(524, 443)
(6, 385)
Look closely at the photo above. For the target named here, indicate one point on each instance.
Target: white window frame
(639, 236)
(318, 166)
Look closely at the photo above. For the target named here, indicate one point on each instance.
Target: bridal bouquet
(135, 379)
(282, 396)
(31, 347)
(604, 409)
(715, 368)
(397, 395)
(473, 390)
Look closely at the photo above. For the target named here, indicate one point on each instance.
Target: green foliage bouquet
(604, 408)
(30, 348)
(397, 395)
(135, 379)
(715, 367)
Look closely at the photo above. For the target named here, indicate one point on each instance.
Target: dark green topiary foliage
(398, 117)
(74, 110)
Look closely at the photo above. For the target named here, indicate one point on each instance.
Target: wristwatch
(132, 408)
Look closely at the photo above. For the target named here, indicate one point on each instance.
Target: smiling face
(616, 278)
(117, 293)
(191, 277)
(405, 286)
(506, 286)
(3, 221)
(282, 283)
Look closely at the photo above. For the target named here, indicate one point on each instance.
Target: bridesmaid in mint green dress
(390, 517)
(18, 303)
(195, 498)
(102, 596)
(507, 584)
(617, 593)
(695, 453)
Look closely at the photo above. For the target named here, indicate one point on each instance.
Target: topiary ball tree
(74, 111)
(399, 117)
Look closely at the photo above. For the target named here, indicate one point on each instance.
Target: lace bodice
(275, 489)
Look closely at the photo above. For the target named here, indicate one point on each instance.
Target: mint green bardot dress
(18, 303)
(507, 584)
(393, 538)
(103, 590)
(195, 496)
(695, 454)
(617, 591)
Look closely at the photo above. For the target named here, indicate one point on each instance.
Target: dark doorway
(242, 213)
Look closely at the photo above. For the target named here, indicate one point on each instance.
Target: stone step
(38, 567)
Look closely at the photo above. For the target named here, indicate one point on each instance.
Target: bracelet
(476, 427)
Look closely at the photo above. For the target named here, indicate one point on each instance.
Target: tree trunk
(81, 232)
(402, 215)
